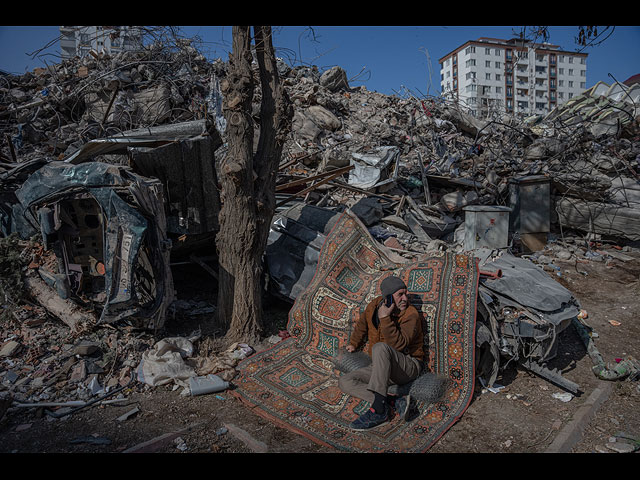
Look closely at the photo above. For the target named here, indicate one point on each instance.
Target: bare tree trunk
(248, 181)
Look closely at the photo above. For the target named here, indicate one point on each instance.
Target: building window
(471, 62)
(487, 51)
(487, 63)
(583, 61)
(498, 89)
(498, 65)
(469, 50)
(488, 76)
(498, 76)
(570, 59)
(571, 71)
(583, 73)
(583, 85)
(570, 84)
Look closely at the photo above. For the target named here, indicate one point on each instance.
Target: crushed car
(106, 227)
(113, 212)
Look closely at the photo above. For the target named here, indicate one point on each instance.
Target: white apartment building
(515, 76)
(79, 40)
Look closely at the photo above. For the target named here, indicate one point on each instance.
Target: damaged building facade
(516, 76)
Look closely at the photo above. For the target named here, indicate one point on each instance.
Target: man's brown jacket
(401, 330)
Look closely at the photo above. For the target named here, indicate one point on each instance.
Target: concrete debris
(129, 147)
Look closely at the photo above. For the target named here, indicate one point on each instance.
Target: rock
(334, 79)
(564, 254)
(85, 348)
(323, 118)
(620, 447)
(10, 348)
(79, 372)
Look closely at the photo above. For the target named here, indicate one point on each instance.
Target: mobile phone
(388, 301)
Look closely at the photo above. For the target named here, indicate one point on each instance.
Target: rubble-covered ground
(63, 390)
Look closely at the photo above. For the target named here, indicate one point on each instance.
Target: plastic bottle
(210, 383)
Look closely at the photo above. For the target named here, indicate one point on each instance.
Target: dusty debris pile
(123, 137)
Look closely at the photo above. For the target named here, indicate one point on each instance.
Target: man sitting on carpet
(395, 340)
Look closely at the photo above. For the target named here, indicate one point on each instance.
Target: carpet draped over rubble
(295, 383)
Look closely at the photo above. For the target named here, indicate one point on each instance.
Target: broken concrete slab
(10, 348)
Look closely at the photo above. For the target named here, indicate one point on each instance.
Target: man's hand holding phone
(386, 307)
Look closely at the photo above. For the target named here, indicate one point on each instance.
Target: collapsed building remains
(111, 161)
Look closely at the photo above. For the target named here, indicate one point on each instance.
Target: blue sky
(383, 58)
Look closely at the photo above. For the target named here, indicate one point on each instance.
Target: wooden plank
(400, 205)
(302, 193)
(416, 228)
(301, 181)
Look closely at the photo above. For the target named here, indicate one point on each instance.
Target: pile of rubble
(431, 152)
(128, 132)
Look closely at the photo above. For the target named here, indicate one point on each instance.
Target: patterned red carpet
(294, 383)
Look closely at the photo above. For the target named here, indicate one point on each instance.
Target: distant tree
(588, 36)
(248, 178)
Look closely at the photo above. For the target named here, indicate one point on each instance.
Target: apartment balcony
(67, 43)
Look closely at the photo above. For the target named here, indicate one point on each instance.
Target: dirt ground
(523, 417)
